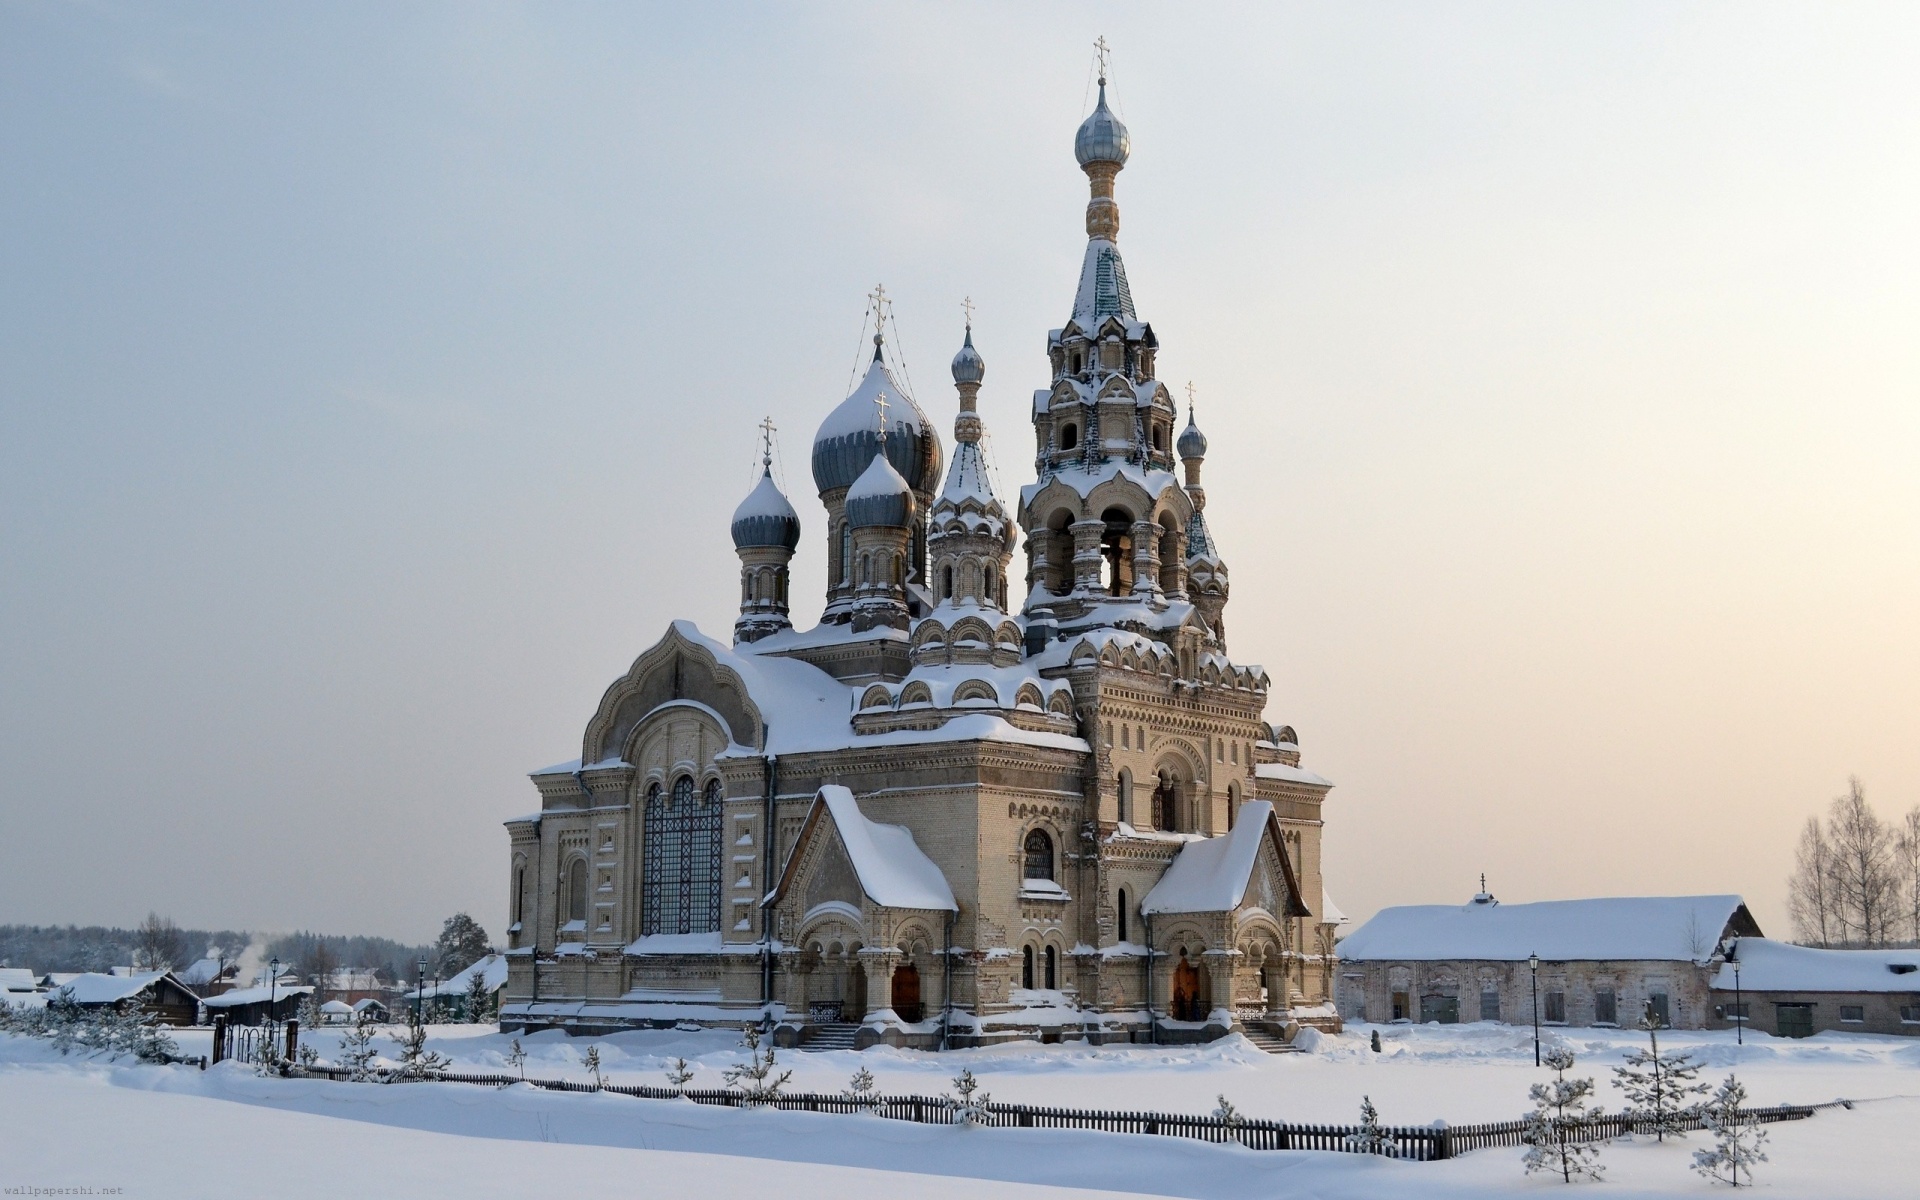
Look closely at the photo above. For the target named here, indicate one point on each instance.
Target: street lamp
(1739, 1005)
(420, 992)
(1533, 964)
(273, 981)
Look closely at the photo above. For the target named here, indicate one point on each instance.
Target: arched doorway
(906, 993)
(1187, 1004)
(1166, 803)
(855, 1007)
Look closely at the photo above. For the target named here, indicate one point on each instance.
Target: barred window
(680, 882)
(1039, 850)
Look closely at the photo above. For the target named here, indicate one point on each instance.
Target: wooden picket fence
(1419, 1143)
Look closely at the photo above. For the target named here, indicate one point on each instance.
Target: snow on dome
(850, 436)
(1626, 928)
(968, 366)
(1101, 137)
(765, 518)
(881, 497)
(1192, 443)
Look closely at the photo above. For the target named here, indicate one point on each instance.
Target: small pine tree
(969, 1102)
(1661, 1089)
(1229, 1117)
(517, 1059)
(307, 1057)
(267, 1059)
(592, 1062)
(755, 1077)
(65, 1021)
(479, 1000)
(309, 1014)
(416, 1061)
(356, 1051)
(1737, 1137)
(679, 1074)
(1558, 1119)
(1370, 1138)
(860, 1087)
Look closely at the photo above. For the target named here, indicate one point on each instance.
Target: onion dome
(880, 498)
(765, 519)
(1102, 138)
(850, 436)
(1192, 443)
(968, 366)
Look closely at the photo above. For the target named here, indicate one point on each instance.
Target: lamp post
(1739, 1006)
(273, 983)
(1533, 965)
(420, 992)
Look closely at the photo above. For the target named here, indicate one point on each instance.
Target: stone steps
(837, 1036)
(1268, 1040)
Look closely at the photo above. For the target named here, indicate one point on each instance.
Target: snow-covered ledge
(1043, 889)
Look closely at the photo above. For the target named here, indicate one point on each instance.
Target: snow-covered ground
(181, 1132)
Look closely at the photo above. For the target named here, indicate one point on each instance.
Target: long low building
(1798, 991)
(1601, 961)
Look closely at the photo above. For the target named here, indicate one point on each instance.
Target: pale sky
(376, 382)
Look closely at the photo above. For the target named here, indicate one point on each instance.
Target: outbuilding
(1798, 991)
(256, 1005)
(156, 992)
(1599, 961)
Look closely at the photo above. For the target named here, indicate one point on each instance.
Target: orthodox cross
(1190, 392)
(766, 441)
(1483, 883)
(880, 403)
(879, 298)
(966, 305)
(1101, 52)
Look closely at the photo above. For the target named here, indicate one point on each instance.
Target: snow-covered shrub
(1737, 1137)
(517, 1059)
(592, 1062)
(267, 1059)
(860, 1087)
(1559, 1120)
(1370, 1138)
(969, 1102)
(1661, 1089)
(755, 1077)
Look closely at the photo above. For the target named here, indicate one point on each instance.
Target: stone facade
(1022, 772)
(1570, 993)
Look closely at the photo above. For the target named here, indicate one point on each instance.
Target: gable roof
(1664, 928)
(95, 988)
(1770, 966)
(492, 968)
(1211, 875)
(893, 871)
(18, 979)
(279, 994)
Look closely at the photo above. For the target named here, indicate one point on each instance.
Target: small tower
(882, 516)
(765, 532)
(1206, 571)
(970, 538)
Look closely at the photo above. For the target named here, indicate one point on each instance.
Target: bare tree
(1863, 867)
(320, 965)
(158, 944)
(1907, 856)
(1810, 889)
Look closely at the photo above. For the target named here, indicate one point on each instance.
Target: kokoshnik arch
(954, 811)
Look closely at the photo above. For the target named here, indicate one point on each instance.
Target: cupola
(765, 518)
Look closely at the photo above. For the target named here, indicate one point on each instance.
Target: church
(958, 810)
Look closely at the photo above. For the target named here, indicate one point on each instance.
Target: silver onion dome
(880, 498)
(968, 366)
(850, 436)
(1102, 138)
(765, 518)
(1192, 443)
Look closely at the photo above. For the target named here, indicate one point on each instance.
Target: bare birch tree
(1849, 880)
(1810, 889)
(1907, 859)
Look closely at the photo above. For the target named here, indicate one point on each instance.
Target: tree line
(157, 943)
(1856, 878)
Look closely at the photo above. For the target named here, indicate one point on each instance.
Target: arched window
(846, 553)
(680, 882)
(866, 569)
(577, 891)
(1123, 914)
(1026, 967)
(1053, 968)
(1163, 803)
(946, 582)
(1116, 551)
(1125, 790)
(1039, 855)
(1069, 436)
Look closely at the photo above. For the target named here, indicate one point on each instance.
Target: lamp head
(1533, 961)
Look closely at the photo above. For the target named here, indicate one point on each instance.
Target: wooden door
(1186, 992)
(906, 993)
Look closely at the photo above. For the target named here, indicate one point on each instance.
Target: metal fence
(1419, 1143)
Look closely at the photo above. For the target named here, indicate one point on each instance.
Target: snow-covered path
(181, 1132)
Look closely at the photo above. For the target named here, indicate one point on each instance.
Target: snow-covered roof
(336, 1007)
(893, 871)
(1770, 966)
(199, 974)
(1211, 874)
(94, 988)
(18, 979)
(254, 995)
(493, 968)
(369, 1002)
(1287, 774)
(1330, 913)
(1103, 290)
(1608, 928)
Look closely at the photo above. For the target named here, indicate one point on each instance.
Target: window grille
(1039, 855)
(680, 882)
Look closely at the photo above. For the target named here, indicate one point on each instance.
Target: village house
(156, 992)
(1584, 962)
